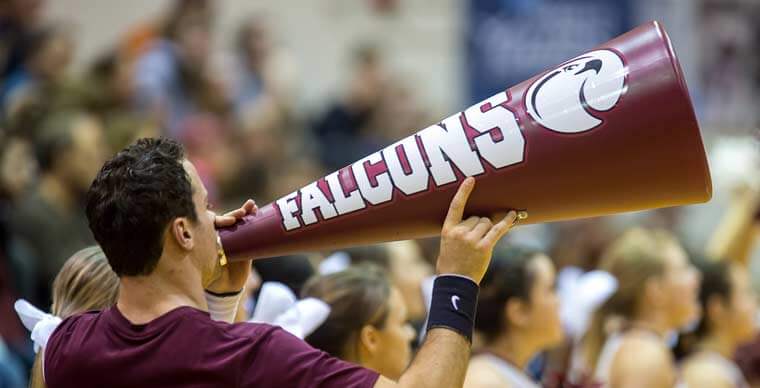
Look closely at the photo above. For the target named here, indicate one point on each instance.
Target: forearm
(736, 234)
(441, 361)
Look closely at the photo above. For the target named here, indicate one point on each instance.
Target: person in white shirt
(518, 317)
(626, 344)
(729, 310)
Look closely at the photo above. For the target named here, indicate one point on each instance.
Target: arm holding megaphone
(466, 248)
(737, 233)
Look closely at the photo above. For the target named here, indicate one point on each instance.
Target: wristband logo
(566, 99)
(454, 302)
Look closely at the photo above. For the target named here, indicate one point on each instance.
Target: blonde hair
(633, 258)
(85, 282)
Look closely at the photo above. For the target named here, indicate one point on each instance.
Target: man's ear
(182, 234)
(369, 339)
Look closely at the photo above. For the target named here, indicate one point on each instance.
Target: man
(148, 210)
(48, 226)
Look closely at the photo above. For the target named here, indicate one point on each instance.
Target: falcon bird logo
(568, 98)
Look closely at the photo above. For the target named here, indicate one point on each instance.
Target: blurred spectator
(730, 38)
(580, 243)
(43, 73)
(398, 114)
(401, 260)
(729, 311)
(48, 224)
(18, 18)
(340, 130)
(656, 295)
(367, 324)
(293, 271)
(18, 168)
(173, 79)
(278, 179)
(84, 283)
(210, 151)
(108, 90)
(262, 78)
(17, 172)
(408, 269)
(141, 37)
(518, 316)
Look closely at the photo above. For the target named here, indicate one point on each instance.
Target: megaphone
(611, 130)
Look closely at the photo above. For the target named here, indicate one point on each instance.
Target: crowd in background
(240, 128)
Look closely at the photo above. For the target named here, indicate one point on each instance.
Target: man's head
(148, 209)
(70, 146)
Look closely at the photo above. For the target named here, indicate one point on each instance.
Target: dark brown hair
(509, 276)
(134, 198)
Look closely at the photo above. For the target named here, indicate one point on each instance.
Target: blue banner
(509, 41)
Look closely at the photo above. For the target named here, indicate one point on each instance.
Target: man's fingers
(250, 206)
(456, 209)
(225, 220)
(237, 213)
(498, 216)
(481, 228)
(500, 229)
(470, 222)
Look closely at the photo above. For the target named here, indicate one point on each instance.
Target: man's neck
(513, 348)
(145, 298)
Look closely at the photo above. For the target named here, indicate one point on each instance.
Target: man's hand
(234, 274)
(466, 246)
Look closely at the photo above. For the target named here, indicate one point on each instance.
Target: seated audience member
(367, 323)
(657, 294)
(48, 225)
(728, 320)
(85, 282)
(518, 316)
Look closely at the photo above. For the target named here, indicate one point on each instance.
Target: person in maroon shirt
(149, 212)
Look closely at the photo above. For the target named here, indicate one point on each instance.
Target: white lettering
(417, 179)
(453, 142)
(508, 150)
(375, 195)
(288, 207)
(312, 198)
(343, 204)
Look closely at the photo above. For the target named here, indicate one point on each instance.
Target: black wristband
(224, 294)
(453, 305)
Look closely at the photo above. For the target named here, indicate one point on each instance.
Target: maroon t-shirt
(186, 348)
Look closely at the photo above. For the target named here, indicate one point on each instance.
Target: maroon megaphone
(612, 130)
